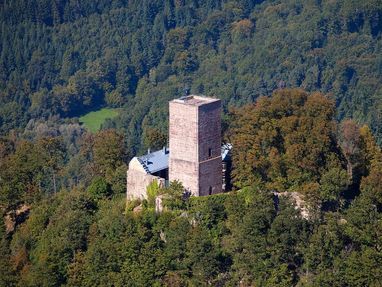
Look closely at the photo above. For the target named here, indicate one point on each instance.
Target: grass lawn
(93, 120)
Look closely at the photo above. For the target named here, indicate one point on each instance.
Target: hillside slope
(68, 57)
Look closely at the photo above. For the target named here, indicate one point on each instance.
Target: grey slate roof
(226, 148)
(158, 160)
(155, 161)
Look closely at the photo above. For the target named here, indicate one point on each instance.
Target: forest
(67, 222)
(300, 83)
(61, 59)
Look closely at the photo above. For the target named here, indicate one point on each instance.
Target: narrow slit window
(209, 152)
(210, 190)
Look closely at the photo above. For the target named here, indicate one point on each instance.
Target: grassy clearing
(93, 120)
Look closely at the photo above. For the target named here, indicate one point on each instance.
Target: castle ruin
(195, 156)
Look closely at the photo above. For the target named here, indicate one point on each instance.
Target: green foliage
(362, 268)
(287, 142)
(99, 188)
(94, 120)
(61, 59)
(249, 236)
(173, 196)
(117, 180)
(333, 183)
(30, 171)
(7, 277)
(325, 245)
(64, 59)
(108, 151)
(249, 218)
(45, 244)
(244, 236)
(152, 192)
(154, 139)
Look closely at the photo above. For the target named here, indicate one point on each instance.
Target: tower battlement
(194, 100)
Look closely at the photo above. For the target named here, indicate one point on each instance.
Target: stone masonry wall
(195, 146)
(210, 172)
(183, 144)
(138, 180)
(210, 161)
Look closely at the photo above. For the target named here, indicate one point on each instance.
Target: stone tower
(195, 144)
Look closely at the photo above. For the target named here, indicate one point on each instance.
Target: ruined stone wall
(138, 180)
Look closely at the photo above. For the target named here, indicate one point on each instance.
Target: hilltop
(300, 83)
(72, 227)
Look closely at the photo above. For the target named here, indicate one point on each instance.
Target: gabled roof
(155, 161)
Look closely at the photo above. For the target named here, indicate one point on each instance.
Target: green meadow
(93, 120)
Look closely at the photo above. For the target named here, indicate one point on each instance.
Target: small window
(209, 152)
(210, 190)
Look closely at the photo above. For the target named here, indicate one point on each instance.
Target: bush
(99, 188)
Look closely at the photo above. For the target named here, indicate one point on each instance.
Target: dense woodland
(78, 229)
(60, 59)
(301, 87)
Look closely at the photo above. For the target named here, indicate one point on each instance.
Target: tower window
(209, 152)
(210, 190)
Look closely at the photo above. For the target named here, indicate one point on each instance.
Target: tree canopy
(81, 232)
(61, 59)
(300, 82)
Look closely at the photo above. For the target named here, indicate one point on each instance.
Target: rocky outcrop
(298, 201)
(15, 217)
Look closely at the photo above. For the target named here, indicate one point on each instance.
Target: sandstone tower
(195, 144)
